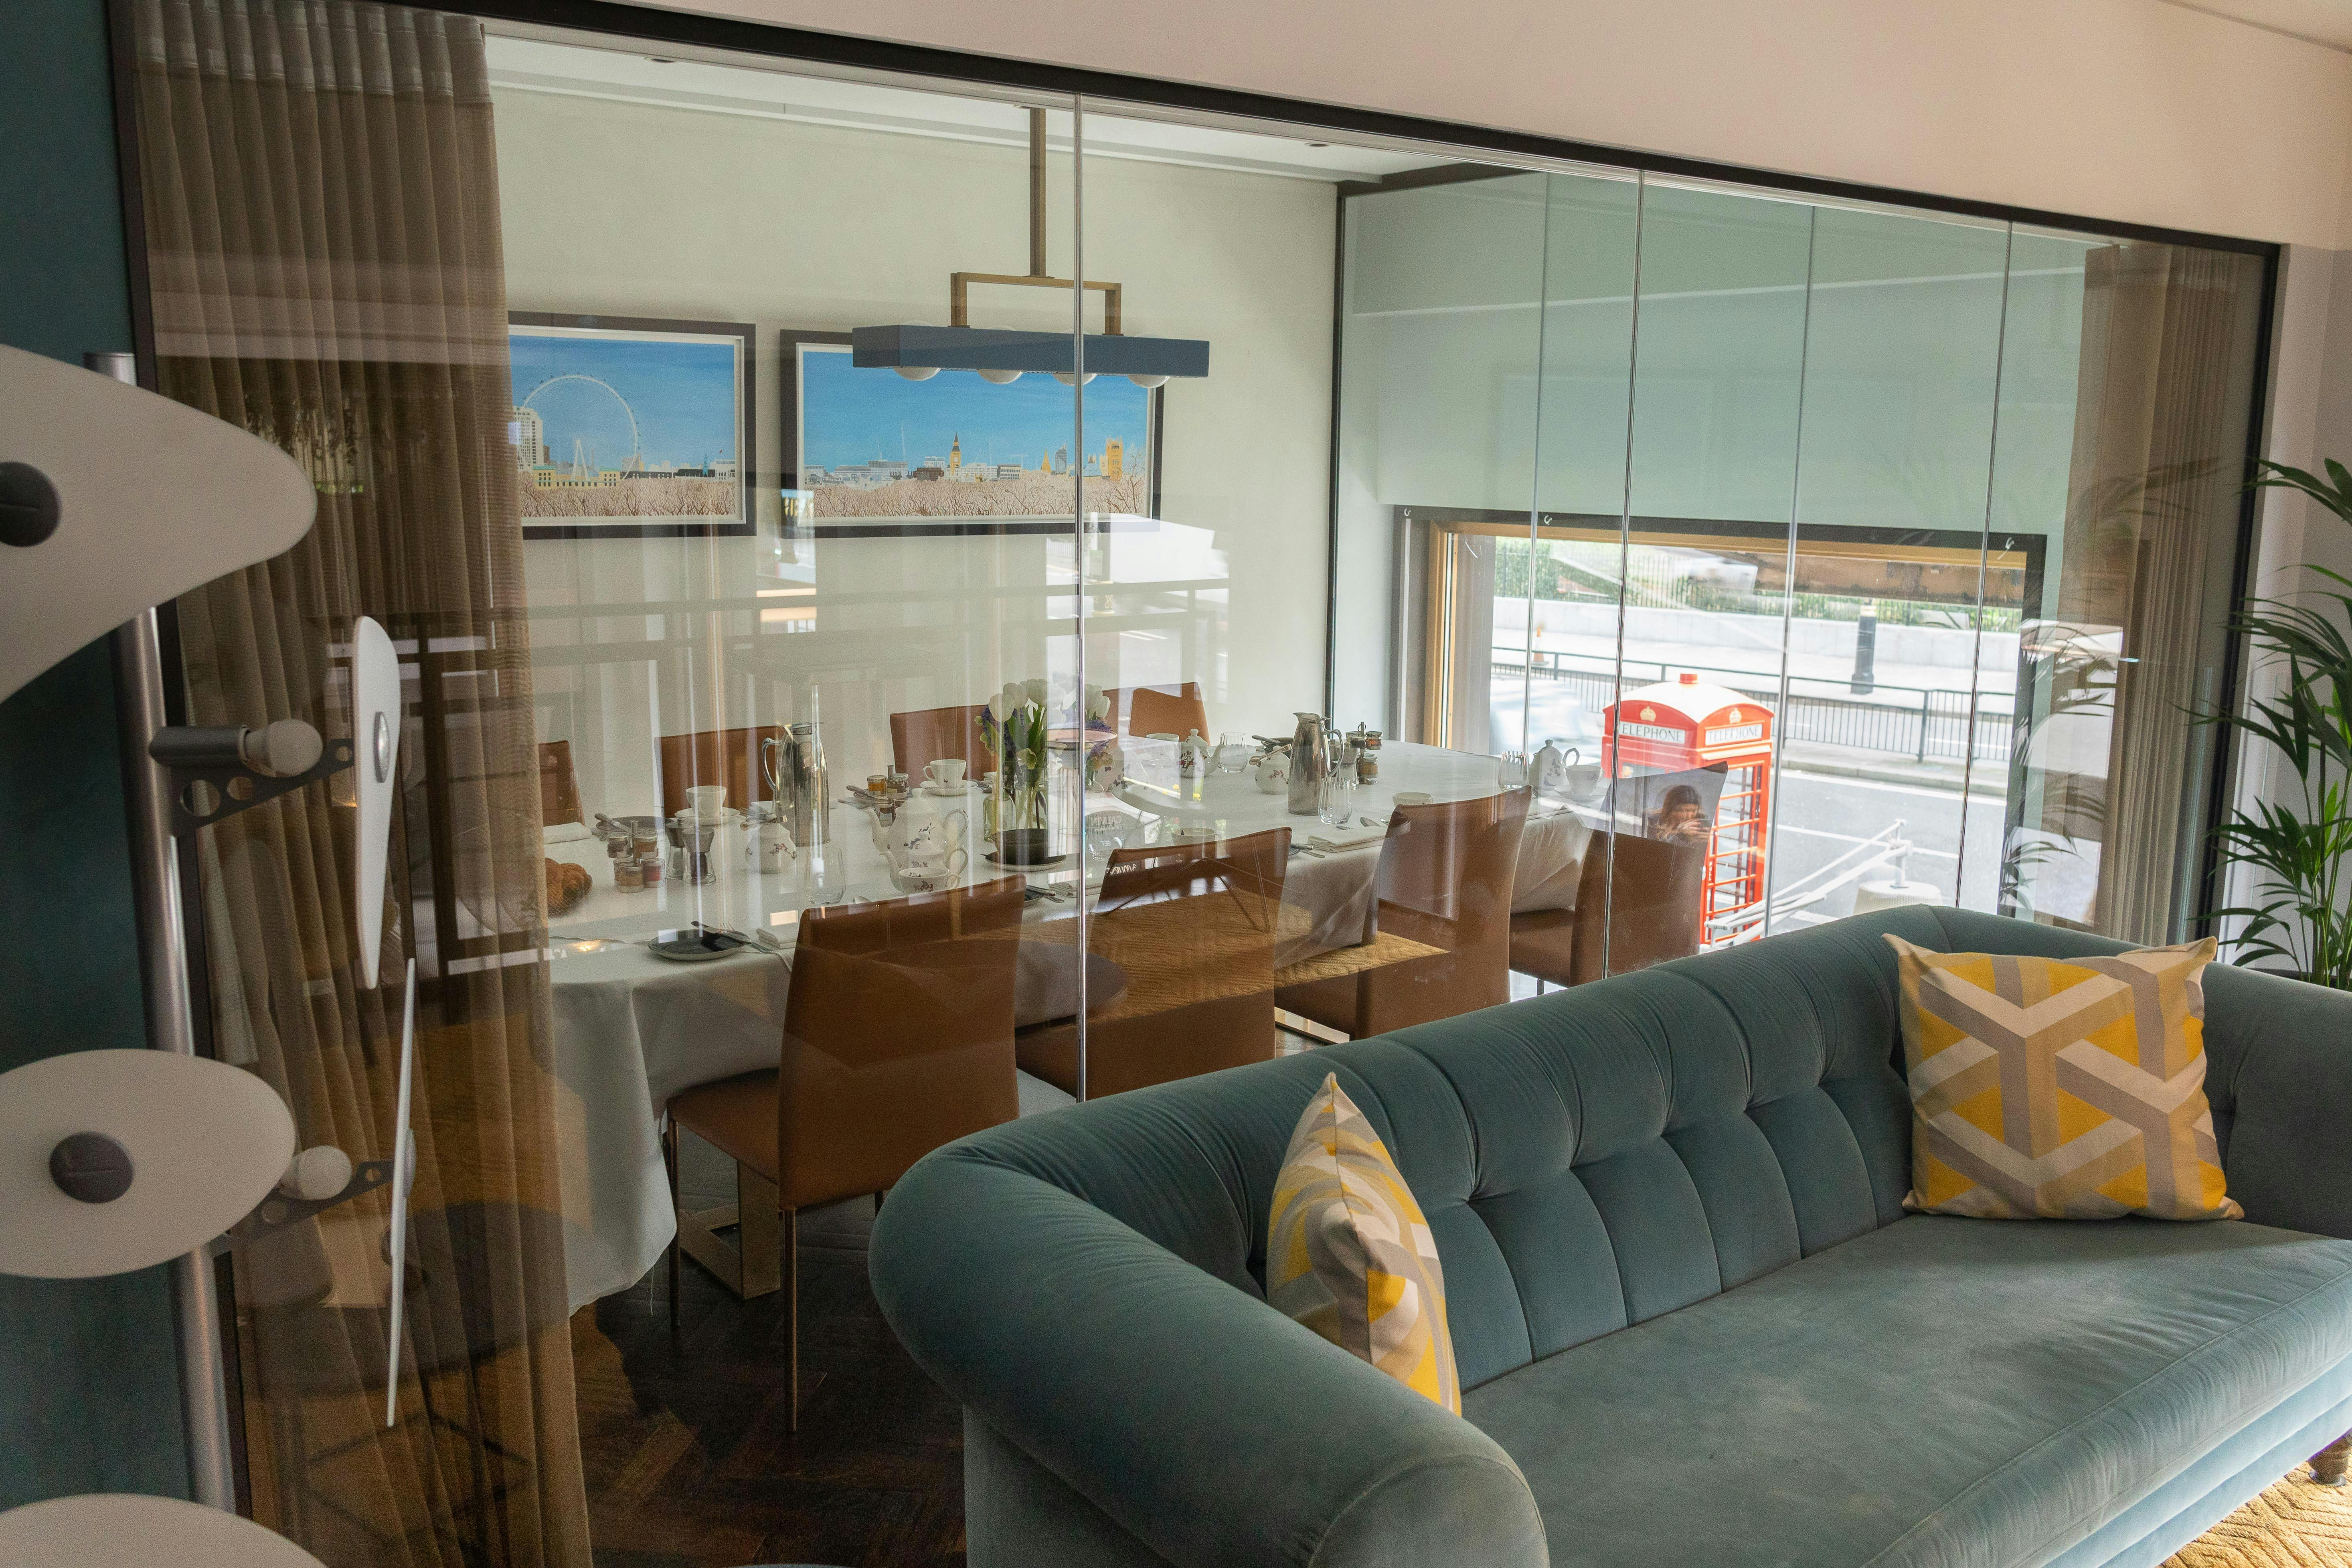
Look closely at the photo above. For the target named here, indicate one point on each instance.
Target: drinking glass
(824, 873)
(1511, 773)
(1105, 831)
(1339, 804)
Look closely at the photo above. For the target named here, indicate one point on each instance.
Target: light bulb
(999, 377)
(917, 372)
(1066, 379)
(1149, 381)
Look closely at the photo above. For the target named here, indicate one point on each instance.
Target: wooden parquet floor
(689, 1461)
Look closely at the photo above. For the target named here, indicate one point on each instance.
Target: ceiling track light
(919, 352)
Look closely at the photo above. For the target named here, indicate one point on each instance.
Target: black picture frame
(746, 337)
(799, 521)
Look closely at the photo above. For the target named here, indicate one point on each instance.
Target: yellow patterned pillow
(2051, 1090)
(1350, 1256)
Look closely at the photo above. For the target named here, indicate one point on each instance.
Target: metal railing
(1922, 722)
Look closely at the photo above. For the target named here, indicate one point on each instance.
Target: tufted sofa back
(1587, 1160)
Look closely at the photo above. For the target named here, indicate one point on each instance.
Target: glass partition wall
(1822, 593)
(1010, 598)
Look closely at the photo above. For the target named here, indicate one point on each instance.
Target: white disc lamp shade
(98, 538)
(376, 745)
(121, 1530)
(1149, 381)
(917, 372)
(116, 1160)
(998, 377)
(1068, 379)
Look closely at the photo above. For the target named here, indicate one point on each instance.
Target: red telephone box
(1680, 726)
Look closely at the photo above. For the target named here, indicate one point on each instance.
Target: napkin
(1354, 837)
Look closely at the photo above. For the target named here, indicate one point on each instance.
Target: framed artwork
(870, 454)
(630, 427)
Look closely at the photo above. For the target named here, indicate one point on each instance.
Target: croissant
(567, 885)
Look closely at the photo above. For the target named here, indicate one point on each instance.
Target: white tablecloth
(633, 1030)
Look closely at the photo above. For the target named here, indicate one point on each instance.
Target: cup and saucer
(945, 777)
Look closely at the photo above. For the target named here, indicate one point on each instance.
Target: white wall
(2125, 111)
(644, 210)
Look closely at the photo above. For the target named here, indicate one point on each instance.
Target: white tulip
(1036, 689)
(1010, 699)
(1097, 705)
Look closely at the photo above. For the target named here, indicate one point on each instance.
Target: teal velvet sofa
(1695, 1325)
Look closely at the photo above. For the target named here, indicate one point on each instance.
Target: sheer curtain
(2156, 478)
(323, 222)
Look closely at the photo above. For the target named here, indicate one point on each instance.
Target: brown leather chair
(729, 757)
(559, 784)
(1158, 710)
(1648, 909)
(926, 734)
(1445, 881)
(897, 1038)
(1194, 927)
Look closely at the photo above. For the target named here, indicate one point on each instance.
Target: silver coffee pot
(1311, 764)
(794, 762)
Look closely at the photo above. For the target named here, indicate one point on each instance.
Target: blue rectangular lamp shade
(993, 348)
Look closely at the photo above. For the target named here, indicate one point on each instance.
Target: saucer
(1045, 865)
(697, 946)
(934, 787)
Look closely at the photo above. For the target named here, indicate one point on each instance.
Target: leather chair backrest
(898, 1035)
(1249, 871)
(1649, 890)
(1158, 711)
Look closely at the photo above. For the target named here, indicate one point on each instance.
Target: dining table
(633, 1029)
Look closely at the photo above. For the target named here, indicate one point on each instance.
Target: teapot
(1273, 773)
(924, 847)
(1193, 753)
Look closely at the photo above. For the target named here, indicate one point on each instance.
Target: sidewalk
(1989, 779)
(1810, 674)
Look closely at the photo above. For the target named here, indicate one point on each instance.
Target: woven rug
(2294, 1524)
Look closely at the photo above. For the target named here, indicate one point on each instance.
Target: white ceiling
(538, 65)
(2327, 22)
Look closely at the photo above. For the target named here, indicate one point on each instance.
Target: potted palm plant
(2299, 846)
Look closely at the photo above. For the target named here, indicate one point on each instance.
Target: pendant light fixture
(917, 351)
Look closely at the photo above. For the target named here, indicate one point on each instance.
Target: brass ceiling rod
(959, 283)
(1036, 193)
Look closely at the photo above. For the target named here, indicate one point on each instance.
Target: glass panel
(2127, 386)
(1440, 386)
(866, 693)
(1719, 367)
(1208, 585)
(1571, 615)
(1902, 340)
(1208, 434)
(312, 287)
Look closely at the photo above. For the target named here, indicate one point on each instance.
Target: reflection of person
(1679, 819)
